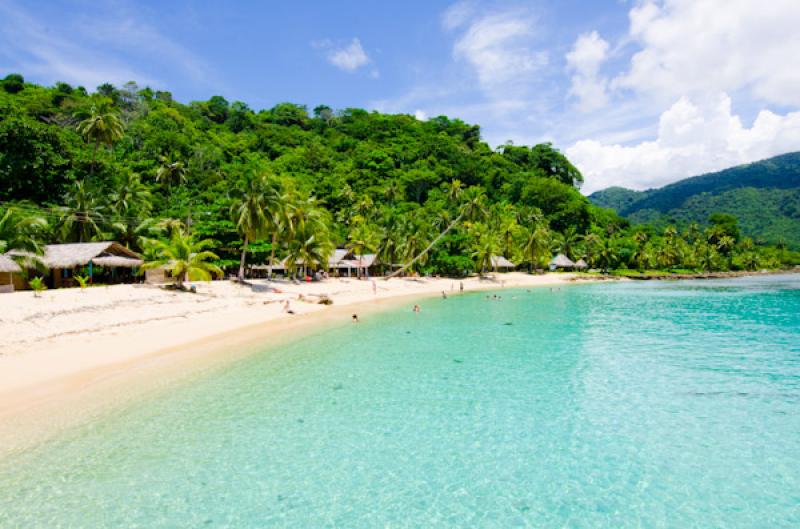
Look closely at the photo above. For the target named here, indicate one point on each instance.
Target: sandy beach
(65, 341)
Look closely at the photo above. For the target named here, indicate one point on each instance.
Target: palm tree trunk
(426, 250)
(272, 252)
(241, 262)
(94, 156)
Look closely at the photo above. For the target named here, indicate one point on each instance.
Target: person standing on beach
(374, 288)
(355, 318)
(461, 286)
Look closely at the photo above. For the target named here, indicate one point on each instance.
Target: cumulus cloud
(691, 47)
(584, 60)
(349, 58)
(693, 138)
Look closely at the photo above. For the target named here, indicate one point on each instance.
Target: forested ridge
(235, 186)
(764, 195)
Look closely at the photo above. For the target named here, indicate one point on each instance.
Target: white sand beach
(69, 339)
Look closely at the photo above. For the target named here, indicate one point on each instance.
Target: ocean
(635, 404)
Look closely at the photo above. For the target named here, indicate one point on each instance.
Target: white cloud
(349, 58)
(693, 138)
(420, 115)
(499, 48)
(693, 47)
(585, 58)
(457, 15)
(92, 51)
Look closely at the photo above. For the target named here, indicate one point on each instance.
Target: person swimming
(444, 296)
(355, 318)
(416, 308)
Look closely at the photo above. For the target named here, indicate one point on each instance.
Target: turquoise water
(608, 405)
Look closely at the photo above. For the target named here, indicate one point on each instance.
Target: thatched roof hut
(581, 265)
(108, 254)
(561, 261)
(8, 265)
(499, 261)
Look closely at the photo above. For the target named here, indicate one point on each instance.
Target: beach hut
(63, 259)
(8, 274)
(345, 262)
(562, 262)
(581, 265)
(501, 263)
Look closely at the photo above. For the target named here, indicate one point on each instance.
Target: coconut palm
(485, 245)
(568, 243)
(22, 227)
(131, 197)
(251, 211)
(361, 240)
(310, 245)
(82, 217)
(171, 171)
(100, 125)
(537, 245)
(183, 257)
(473, 207)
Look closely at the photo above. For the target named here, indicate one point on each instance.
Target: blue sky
(636, 93)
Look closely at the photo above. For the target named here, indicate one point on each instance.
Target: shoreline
(105, 355)
(705, 275)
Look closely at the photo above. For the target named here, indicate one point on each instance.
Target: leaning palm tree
(100, 125)
(473, 207)
(183, 257)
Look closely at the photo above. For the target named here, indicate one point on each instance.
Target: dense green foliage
(765, 196)
(134, 165)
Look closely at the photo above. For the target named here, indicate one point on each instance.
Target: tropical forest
(219, 187)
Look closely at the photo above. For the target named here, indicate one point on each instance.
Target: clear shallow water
(610, 405)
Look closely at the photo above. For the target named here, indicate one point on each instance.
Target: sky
(636, 93)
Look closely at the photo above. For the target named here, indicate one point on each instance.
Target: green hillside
(170, 179)
(765, 196)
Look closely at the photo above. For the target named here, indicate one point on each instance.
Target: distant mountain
(764, 195)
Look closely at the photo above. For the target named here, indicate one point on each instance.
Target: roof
(498, 261)
(8, 265)
(562, 261)
(581, 264)
(338, 255)
(81, 253)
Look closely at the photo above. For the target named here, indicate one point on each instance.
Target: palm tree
(484, 245)
(100, 125)
(171, 171)
(567, 243)
(22, 228)
(473, 206)
(82, 215)
(537, 245)
(250, 211)
(183, 257)
(607, 254)
(131, 196)
(362, 239)
(310, 242)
